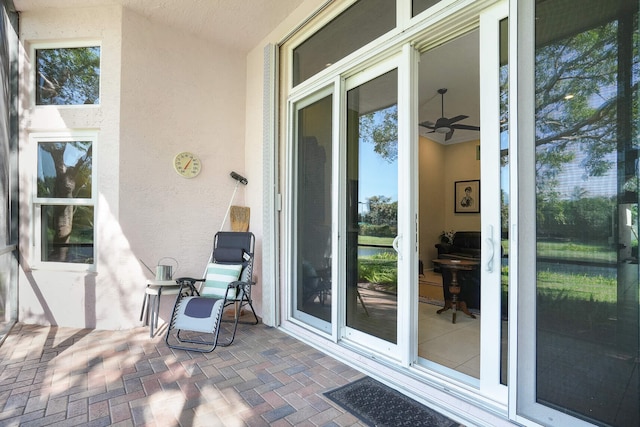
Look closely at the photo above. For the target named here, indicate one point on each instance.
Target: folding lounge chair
(197, 314)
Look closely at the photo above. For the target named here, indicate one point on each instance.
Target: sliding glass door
(370, 297)
(582, 290)
(313, 148)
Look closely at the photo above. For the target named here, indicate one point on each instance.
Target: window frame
(38, 202)
(70, 44)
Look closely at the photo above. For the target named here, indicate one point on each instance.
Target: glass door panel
(586, 310)
(313, 151)
(371, 297)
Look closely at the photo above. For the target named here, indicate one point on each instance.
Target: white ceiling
(454, 66)
(238, 24)
(241, 24)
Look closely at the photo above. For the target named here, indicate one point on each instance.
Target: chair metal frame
(241, 288)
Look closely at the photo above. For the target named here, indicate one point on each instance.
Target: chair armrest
(189, 282)
(188, 279)
(238, 283)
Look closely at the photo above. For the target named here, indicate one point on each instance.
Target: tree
(382, 211)
(381, 129)
(66, 182)
(577, 98)
(68, 76)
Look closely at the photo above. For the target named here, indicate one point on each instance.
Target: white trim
(377, 347)
(36, 203)
(490, 266)
(339, 191)
(63, 44)
(408, 205)
(292, 313)
(270, 158)
(514, 209)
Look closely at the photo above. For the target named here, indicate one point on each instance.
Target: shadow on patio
(52, 375)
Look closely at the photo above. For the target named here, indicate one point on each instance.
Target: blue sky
(377, 177)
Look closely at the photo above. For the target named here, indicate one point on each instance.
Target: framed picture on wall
(467, 196)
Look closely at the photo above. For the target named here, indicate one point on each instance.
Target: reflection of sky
(574, 176)
(46, 167)
(377, 176)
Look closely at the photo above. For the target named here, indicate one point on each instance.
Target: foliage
(583, 66)
(381, 129)
(381, 269)
(382, 211)
(581, 218)
(66, 180)
(377, 230)
(581, 116)
(68, 76)
(66, 174)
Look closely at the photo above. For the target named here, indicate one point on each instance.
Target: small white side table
(154, 290)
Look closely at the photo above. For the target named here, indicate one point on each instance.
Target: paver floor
(64, 376)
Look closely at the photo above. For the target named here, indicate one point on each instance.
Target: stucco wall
(64, 297)
(162, 92)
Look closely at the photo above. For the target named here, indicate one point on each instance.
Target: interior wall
(431, 193)
(460, 164)
(440, 167)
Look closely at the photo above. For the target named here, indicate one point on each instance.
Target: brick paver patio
(64, 376)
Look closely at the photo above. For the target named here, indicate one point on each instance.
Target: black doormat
(375, 404)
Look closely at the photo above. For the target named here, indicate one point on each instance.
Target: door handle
(396, 245)
(491, 248)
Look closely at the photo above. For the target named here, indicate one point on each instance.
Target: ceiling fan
(445, 125)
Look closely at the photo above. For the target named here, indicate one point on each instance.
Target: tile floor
(456, 346)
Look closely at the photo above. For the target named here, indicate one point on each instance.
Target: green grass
(379, 269)
(577, 286)
(576, 251)
(382, 269)
(373, 240)
(571, 251)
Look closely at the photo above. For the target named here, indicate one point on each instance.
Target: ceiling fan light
(443, 129)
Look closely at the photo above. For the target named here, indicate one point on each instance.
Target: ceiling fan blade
(448, 135)
(457, 118)
(466, 127)
(427, 124)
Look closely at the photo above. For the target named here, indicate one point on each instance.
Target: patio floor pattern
(65, 376)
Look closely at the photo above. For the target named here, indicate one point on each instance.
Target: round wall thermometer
(187, 164)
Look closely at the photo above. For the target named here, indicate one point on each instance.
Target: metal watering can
(163, 272)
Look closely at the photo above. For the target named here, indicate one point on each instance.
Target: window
(64, 199)
(67, 75)
(314, 150)
(362, 23)
(584, 290)
(418, 6)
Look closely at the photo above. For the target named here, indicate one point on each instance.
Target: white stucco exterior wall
(162, 92)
